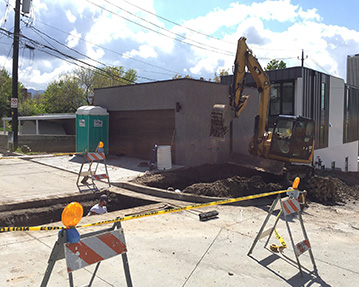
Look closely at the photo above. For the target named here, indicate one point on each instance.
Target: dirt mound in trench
(226, 180)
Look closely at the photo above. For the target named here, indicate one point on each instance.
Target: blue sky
(143, 35)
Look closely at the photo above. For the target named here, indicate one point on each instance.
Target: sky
(161, 39)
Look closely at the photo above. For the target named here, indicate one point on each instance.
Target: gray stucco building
(175, 112)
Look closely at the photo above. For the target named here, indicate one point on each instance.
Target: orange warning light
(100, 144)
(72, 214)
(296, 183)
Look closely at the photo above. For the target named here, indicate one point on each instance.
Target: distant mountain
(35, 92)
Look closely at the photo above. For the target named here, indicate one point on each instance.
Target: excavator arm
(222, 115)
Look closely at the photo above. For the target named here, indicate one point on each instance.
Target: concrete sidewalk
(177, 249)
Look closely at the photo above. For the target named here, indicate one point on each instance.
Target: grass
(18, 150)
(6, 129)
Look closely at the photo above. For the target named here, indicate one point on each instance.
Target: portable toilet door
(92, 124)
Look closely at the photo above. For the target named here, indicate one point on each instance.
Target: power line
(204, 47)
(101, 63)
(110, 50)
(41, 47)
(176, 24)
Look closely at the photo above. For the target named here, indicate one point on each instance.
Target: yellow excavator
(291, 140)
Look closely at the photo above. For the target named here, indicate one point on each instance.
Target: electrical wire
(110, 50)
(215, 50)
(41, 47)
(176, 24)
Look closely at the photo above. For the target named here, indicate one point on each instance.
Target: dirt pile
(226, 180)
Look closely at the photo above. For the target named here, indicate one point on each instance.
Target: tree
(32, 106)
(275, 65)
(90, 79)
(63, 96)
(6, 93)
(178, 76)
(222, 72)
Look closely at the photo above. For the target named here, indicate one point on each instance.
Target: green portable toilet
(91, 127)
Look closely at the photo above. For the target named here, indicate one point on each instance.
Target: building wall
(337, 152)
(338, 155)
(353, 70)
(243, 127)
(298, 92)
(43, 143)
(194, 101)
(336, 111)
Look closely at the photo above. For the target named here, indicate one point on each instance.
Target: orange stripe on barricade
(96, 156)
(99, 176)
(84, 252)
(302, 246)
(111, 241)
(290, 205)
(294, 207)
(94, 249)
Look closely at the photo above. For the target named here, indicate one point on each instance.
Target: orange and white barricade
(93, 248)
(287, 206)
(100, 172)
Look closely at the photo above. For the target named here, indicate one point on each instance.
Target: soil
(226, 180)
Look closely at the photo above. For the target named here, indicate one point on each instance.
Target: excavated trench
(45, 211)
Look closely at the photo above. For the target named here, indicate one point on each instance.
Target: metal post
(126, 266)
(15, 64)
(57, 252)
(306, 237)
(291, 239)
(274, 204)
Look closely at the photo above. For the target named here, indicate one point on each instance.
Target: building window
(288, 98)
(351, 119)
(322, 115)
(275, 100)
(282, 99)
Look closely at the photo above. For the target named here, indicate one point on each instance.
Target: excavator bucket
(221, 118)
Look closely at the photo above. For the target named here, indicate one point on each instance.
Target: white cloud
(73, 39)
(40, 79)
(327, 46)
(70, 16)
(274, 29)
(144, 51)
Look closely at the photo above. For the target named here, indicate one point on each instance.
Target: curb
(183, 196)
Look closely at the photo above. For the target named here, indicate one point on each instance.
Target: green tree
(90, 79)
(63, 96)
(217, 77)
(31, 107)
(178, 76)
(275, 65)
(6, 93)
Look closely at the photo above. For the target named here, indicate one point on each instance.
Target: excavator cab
(292, 139)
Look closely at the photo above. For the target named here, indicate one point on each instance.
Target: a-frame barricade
(93, 248)
(88, 159)
(286, 206)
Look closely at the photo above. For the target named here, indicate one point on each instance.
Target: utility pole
(15, 64)
(15, 67)
(302, 59)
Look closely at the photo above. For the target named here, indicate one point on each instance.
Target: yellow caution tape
(281, 240)
(126, 218)
(275, 247)
(36, 156)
